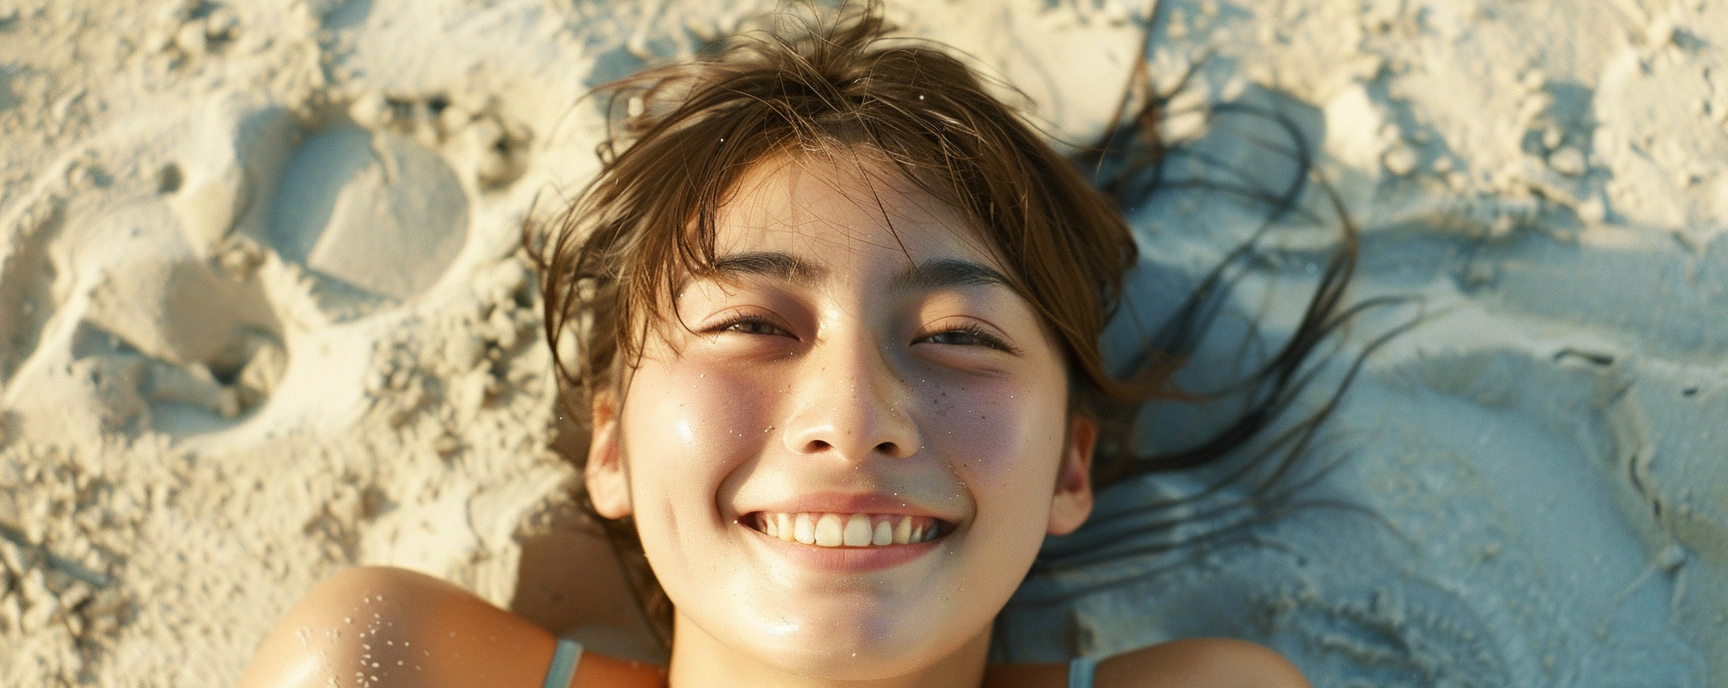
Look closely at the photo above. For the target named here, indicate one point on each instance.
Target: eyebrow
(945, 273)
(930, 275)
(780, 266)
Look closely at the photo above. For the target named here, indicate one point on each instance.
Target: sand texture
(263, 316)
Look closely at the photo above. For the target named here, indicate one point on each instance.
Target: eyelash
(733, 322)
(979, 334)
(973, 331)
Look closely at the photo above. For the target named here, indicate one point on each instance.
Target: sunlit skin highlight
(858, 340)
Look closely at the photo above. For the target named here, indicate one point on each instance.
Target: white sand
(262, 317)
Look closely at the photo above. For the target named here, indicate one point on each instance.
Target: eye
(970, 335)
(749, 324)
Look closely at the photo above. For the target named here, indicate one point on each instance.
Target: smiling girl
(837, 313)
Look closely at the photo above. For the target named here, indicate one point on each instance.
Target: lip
(849, 503)
(842, 559)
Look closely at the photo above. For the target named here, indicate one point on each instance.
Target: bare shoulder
(379, 626)
(1200, 663)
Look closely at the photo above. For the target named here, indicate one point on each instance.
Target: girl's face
(845, 458)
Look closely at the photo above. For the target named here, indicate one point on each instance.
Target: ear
(607, 481)
(1073, 500)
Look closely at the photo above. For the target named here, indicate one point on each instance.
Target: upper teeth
(847, 530)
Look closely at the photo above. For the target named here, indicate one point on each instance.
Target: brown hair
(685, 134)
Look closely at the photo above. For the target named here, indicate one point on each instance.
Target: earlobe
(607, 482)
(1072, 502)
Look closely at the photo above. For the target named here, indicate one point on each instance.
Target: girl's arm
(381, 627)
(1200, 663)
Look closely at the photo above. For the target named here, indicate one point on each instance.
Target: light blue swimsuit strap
(564, 661)
(1080, 672)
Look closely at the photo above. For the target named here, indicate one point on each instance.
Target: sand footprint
(370, 217)
(373, 215)
(128, 306)
(200, 348)
(164, 340)
(256, 232)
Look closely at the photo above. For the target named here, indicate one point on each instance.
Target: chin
(840, 662)
(849, 648)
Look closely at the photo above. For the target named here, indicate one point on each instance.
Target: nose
(849, 402)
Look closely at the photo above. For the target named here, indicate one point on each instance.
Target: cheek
(685, 428)
(1004, 441)
(1002, 436)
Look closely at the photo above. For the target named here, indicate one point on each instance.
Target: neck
(700, 660)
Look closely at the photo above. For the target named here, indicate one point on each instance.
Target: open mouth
(848, 530)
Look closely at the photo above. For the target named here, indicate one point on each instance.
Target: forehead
(834, 210)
